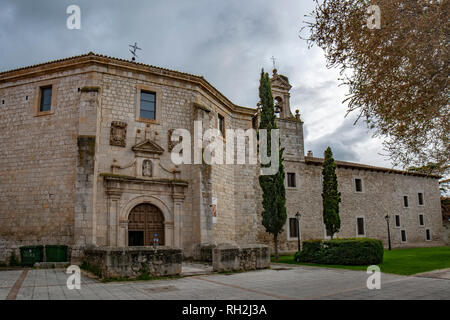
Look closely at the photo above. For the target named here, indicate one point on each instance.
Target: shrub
(13, 261)
(360, 251)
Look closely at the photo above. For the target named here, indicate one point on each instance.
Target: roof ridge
(91, 53)
(372, 167)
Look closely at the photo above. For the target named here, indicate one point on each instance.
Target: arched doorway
(145, 226)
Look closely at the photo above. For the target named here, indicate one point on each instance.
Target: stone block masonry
(241, 258)
(133, 262)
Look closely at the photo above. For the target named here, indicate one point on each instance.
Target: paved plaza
(280, 282)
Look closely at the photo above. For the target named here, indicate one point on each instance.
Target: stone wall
(382, 194)
(38, 160)
(240, 258)
(133, 262)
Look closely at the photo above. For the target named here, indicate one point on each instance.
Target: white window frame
(418, 217)
(431, 237)
(288, 228)
(406, 236)
(395, 222)
(364, 226)
(423, 198)
(403, 202)
(325, 237)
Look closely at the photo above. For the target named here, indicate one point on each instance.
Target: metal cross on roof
(133, 52)
(273, 60)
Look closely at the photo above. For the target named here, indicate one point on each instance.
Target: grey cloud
(228, 42)
(342, 141)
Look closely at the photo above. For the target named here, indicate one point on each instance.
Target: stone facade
(74, 175)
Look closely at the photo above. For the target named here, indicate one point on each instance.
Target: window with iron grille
(420, 195)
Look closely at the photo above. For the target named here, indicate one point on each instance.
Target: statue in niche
(171, 143)
(147, 168)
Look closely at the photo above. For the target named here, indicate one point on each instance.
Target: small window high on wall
(420, 196)
(221, 125)
(45, 103)
(358, 185)
(148, 105)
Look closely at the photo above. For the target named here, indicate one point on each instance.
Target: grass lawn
(397, 261)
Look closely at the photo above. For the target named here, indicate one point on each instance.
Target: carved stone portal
(118, 134)
(147, 168)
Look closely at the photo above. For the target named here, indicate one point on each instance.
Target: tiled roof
(353, 165)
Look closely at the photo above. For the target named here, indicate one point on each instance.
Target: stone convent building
(85, 161)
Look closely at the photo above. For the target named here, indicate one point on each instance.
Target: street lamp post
(298, 216)
(389, 231)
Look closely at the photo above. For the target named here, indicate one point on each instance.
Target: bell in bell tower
(280, 92)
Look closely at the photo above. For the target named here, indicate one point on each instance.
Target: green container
(56, 253)
(31, 254)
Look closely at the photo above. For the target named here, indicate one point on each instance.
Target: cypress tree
(330, 195)
(274, 194)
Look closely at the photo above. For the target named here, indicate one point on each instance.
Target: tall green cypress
(330, 195)
(274, 194)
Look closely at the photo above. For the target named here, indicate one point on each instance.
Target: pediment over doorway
(148, 147)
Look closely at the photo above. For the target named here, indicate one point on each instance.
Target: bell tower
(280, 92)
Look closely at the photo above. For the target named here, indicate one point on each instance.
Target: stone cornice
(110, 177)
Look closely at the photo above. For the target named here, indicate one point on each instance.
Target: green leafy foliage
(274, 194)
(361, 251)
(330, 195)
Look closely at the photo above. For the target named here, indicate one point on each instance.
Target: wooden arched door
(145, 226)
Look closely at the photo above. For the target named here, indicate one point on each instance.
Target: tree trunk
(275, 241)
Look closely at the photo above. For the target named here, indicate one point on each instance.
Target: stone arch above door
(152, 200)
(145, 226)
(125, 212)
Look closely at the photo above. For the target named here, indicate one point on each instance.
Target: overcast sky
(226, 41)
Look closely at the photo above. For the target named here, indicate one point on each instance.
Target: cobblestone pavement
(277, 283)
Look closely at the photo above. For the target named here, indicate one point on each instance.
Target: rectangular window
(397, 220)
(405, 202)
(222, 125)
(421, 220)
(293, 228)
(403, 232)
(420, 195)
(148, 105)
(291, 180)
(360, 226)
(358, 185)
(428, 234)
(45, 103)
